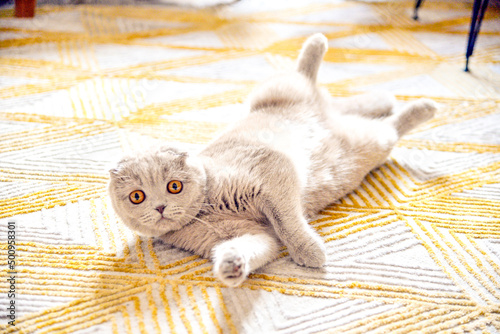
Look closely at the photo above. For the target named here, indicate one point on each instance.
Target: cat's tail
(311, 55)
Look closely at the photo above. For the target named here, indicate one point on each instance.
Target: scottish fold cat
(253, 189)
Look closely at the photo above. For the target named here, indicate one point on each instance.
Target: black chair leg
(418, 3)
(475, 25)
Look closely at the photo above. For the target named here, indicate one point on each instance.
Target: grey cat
(253, 189)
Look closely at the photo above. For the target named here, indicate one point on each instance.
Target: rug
(415, 249)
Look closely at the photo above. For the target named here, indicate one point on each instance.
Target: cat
(253, 189)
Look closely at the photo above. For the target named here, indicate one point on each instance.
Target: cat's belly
(299, 145)
(296, 140)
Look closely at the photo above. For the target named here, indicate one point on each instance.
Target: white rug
(416, 249)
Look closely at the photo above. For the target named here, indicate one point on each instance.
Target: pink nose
(160, 208)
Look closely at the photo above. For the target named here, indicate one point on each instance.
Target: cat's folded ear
(117, 170)
(174, 155)
(173, 151)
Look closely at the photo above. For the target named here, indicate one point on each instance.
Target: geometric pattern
(415, 249)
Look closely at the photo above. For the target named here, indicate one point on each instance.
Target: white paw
(309, 252)
(319, 41)
(424, 109)
(231, 268)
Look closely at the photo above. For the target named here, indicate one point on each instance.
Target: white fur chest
(297, 140)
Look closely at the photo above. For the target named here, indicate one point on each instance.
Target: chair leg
(475, 25)
(418, 3)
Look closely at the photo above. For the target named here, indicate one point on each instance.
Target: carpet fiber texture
(416, 248)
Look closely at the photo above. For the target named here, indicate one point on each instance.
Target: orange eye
(137, 196)
(174, 187)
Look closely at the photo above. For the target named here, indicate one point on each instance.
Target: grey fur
(252, 189)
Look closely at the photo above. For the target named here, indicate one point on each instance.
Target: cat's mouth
(174, 217)
(170, 223)
(164, 220)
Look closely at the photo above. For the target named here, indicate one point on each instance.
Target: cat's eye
(174, 187)
(137, 196)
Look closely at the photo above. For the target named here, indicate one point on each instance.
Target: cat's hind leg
(235, 258)
(413, 114)
(370, 105)
(310, 57)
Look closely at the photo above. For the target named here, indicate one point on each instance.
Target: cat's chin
(172, 224)
(169, 225)
(161, 227)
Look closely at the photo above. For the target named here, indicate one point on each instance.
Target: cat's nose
(160, 208)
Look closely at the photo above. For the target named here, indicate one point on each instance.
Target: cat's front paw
(230, 267)
(309, 252)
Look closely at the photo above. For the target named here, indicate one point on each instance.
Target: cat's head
(157, 192)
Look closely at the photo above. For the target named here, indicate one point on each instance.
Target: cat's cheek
(129, 218)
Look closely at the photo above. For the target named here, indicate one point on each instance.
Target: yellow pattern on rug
(415, 249)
